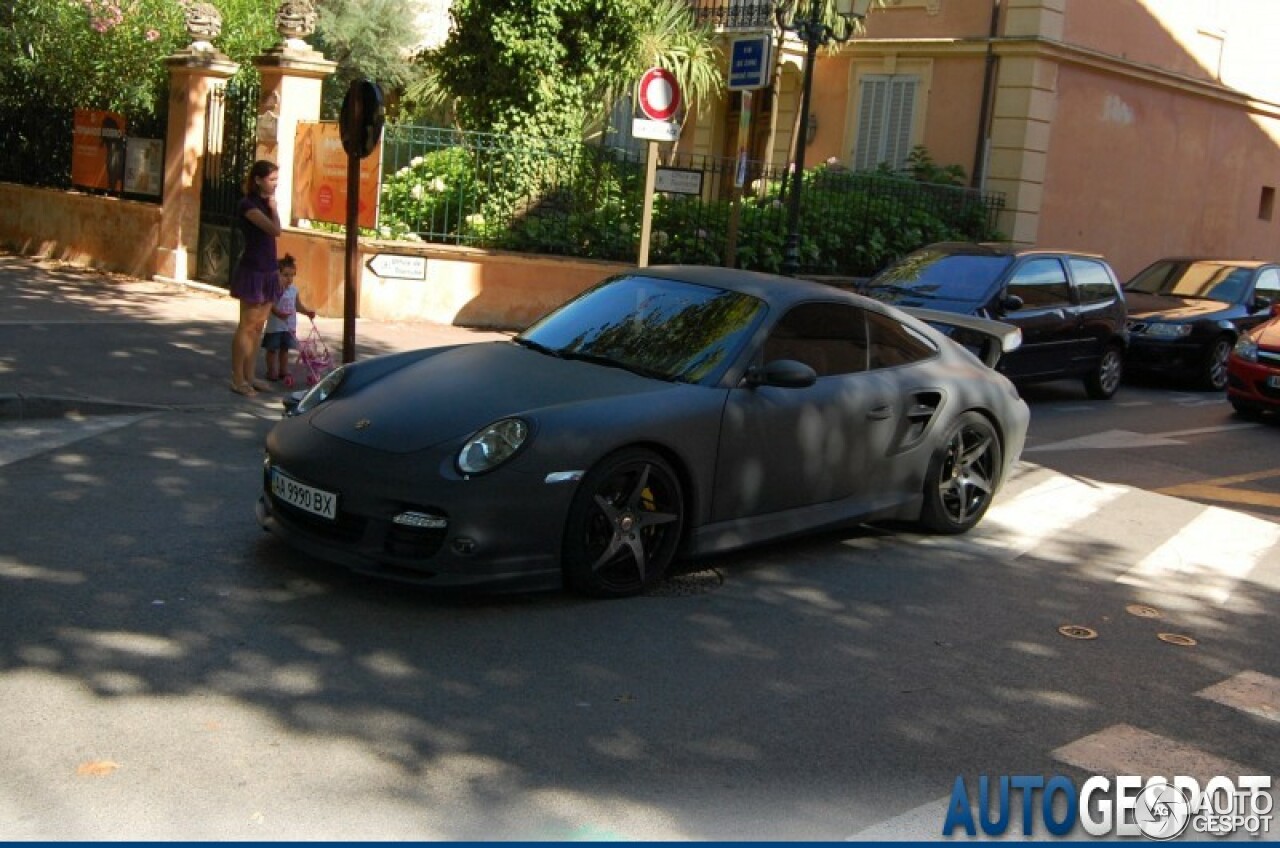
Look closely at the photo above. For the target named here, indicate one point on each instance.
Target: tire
(1214, 376)
(962, 476)
(1103, 381)
(624, 525)
(1245, 409)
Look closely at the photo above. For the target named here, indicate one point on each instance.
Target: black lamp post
(814, 28)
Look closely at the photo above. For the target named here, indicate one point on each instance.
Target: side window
(1268, 284)
(893, 343)
(1041, 283)
(1093, 280)
(830, 338)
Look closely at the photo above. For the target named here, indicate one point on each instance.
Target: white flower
(416, 161)
(437, 185)
(416, 192)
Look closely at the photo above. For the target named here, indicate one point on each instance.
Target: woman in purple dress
(256, 280)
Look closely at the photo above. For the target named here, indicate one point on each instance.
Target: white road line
(1033, 516)
(1208, 557)
(22, 439)
(1249, 691)
(1124, 749)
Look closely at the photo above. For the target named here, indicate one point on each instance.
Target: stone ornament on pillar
(269, 120)
(295, 20)
(204, 24)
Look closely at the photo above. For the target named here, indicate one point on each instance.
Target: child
(282, 324)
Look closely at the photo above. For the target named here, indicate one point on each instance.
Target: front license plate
(1273, 382)
(312, 500)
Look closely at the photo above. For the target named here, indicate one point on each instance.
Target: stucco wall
(463, 286)
(1190, 182)
(90, 230)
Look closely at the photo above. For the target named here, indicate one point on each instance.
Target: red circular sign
(658, 94)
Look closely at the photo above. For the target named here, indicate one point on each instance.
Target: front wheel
(624, 525)
(962, 476)
(1245, 409)
(1214, 375)
(1103, 381)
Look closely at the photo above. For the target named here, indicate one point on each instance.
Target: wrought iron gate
(231, 120)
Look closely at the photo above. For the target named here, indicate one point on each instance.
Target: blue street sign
(749, 62)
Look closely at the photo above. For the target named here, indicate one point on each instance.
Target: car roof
(1239, 263)
(1004, 248)
(771, 288)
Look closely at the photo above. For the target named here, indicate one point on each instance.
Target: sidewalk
(71, 334)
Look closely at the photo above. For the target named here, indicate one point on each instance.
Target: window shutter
(885, 114)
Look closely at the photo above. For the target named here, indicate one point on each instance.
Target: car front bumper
(1157, 355)
(1248, 382)
(501, 530)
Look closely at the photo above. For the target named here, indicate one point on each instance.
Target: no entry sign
(658, 95)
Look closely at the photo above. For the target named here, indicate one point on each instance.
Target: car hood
(453, 394)
(1171, 308)
(1268, 334)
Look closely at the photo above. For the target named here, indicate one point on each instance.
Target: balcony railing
(734, 14)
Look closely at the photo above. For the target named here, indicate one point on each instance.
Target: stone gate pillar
(292, 75)
(193, 73)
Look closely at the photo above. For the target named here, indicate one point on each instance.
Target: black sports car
(668, 411)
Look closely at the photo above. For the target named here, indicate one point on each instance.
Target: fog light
(463, 546)
(421, 520)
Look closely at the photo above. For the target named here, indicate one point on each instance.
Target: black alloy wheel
(624, 526)
(1214, 376)
(962, 476)
(1102, 382)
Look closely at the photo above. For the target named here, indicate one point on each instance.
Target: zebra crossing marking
(1249, 691)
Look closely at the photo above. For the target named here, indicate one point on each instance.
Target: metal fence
(444, 186)
(35, 144)
(734, 14)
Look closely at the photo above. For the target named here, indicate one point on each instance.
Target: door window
(1041, 283)
(830, 338)
(1268, 284)
(1094, 282)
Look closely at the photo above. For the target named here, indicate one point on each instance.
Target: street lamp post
(814, 29)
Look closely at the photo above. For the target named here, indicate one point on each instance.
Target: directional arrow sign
(398, 266)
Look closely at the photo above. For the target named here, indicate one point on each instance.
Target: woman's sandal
(259, 386)
(243, 389)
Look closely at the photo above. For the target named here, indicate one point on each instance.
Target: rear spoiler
(992, 339)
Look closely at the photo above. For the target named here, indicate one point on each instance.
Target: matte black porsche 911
(671, 411)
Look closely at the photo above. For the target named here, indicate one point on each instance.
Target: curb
(17, 407)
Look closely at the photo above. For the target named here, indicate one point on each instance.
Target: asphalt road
(170, 672)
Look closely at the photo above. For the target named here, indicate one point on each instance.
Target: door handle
(880, 413)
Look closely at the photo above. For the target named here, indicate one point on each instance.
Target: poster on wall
(97, 150)
(144, 166)
(320, 176)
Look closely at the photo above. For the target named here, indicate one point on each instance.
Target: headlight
(492, 446)
(320, 392)
(1247, 349)
(1168, 331)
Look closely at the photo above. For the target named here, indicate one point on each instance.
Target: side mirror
(783, 373)
(1260, 303)
(1011, 303)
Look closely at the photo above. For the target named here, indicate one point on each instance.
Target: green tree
(373, 39)
(550, 67)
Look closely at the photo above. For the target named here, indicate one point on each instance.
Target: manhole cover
(1078, 631)
(693, 583)
(1142, 611)
(1177, 639)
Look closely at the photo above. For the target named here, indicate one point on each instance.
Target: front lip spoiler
(542, 579)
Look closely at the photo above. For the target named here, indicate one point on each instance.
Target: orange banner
(320, 176)
(97, 150)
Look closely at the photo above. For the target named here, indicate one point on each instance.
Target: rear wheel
(624, 525)
(1102, 382)
(1214, 373)
(962, 476)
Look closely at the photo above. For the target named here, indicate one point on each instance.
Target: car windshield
(938, 275)
(661, 328)
(1200, 280)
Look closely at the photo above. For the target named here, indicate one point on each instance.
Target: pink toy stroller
(314, 355)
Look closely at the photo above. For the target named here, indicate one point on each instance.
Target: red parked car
(1253, 369)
